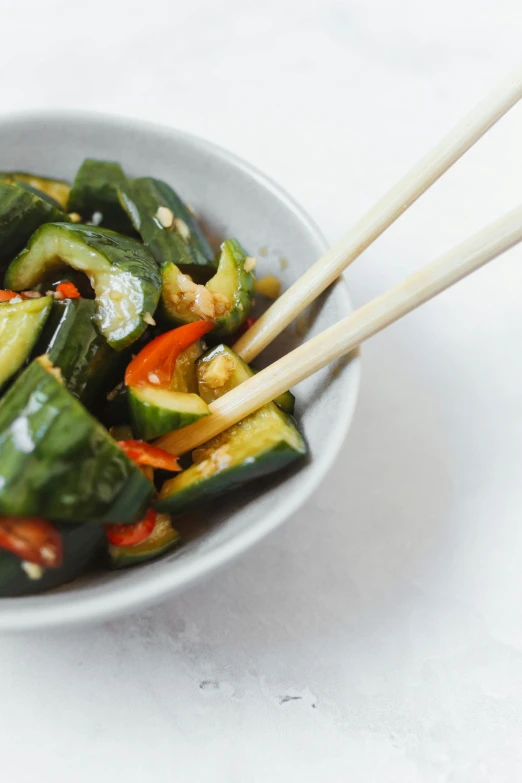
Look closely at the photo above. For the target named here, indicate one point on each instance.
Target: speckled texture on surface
(393, 602)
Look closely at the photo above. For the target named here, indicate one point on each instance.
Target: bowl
(233, 199)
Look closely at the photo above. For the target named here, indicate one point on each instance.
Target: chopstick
(346, 335)
(380, 217)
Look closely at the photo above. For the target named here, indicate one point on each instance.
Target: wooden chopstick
(346, 335)
(380, 217)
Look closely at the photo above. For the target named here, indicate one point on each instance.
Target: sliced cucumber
(95, 190)
(225, 299)
(122, 272)
(155, 411)
(20, 327)
(39, 193)
(56, 189)
(162, 538)
(185, 376)
(167, 227)
(286, 402)
(81, 545)
(72, 342)
(21, 213)
(58, 462)
(263, 443)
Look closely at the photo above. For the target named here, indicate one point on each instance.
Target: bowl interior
(232, 199)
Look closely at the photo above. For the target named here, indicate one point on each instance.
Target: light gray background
(378, 635)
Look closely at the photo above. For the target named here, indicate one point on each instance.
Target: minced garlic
(165, 216)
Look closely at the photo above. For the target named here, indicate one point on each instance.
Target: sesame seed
(147, 317)
(182, 228)
(153, 378)
(32, 570)
(74, 217)
(165, 216)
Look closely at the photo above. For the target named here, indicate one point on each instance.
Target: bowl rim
(63, 608)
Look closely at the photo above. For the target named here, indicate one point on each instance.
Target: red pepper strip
(6, 295)
(144, 454)
(35, 540)
(159, 356)
(68, 291)
(130, 535)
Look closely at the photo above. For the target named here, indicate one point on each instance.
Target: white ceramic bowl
(233, 199)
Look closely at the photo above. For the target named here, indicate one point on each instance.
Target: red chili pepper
(130, 535)
(6, 295)
(68, 291)
(32, 539)
(159, 356)
(144, 454)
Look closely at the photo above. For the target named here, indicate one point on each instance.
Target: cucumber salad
(116, 321)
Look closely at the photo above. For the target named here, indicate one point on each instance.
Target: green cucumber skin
(141, 199)
(72, 342)
(81, 545)
(40, 193)
(286, 402)
(55, 189)
(25, 321)
(58, 462)
(124, 253)
(150, 421)
(21, 214)
(95, 189)
(278, 457)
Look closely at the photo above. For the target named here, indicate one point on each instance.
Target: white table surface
(378, 635)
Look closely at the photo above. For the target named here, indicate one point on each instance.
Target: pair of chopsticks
(351, 331)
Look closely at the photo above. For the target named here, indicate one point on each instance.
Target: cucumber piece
(184, 379)
(167, 227)
(286, 402)
(81, 545)
(21, 213)
(262, 443)
(44, 196)
(162, 538)
(225, 299)
(20, 326)
(122, 272)
(55, 189)
(155, 411)
(185, 376)
(95, 190)
(58, 462)
(72, 343)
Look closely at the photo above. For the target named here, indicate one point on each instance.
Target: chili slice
(130, 535)
(68, 290)
(144, 454)
(159, 356)
(32, 539)
(6, 295)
